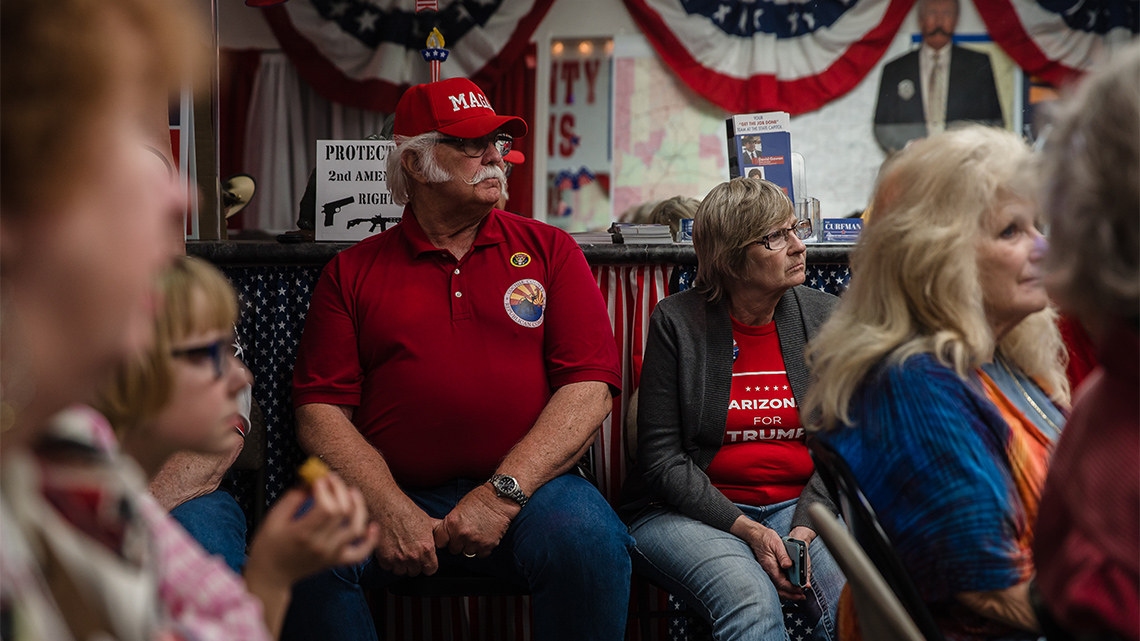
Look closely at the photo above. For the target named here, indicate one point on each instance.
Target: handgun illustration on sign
(331, 209)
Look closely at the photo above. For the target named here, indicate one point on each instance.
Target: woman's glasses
(778, 239)
(217, 352)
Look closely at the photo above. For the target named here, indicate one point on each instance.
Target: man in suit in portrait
(752, 150)
(939, 83)
(751, 153)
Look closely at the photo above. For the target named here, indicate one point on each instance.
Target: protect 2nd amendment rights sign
(353, 201)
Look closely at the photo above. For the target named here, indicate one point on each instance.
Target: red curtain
(237, 69)
(514, 94)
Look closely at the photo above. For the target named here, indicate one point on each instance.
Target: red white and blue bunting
(770, 55)
(364, 53)
(1060, 39)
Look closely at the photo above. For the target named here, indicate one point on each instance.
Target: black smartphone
(797, 550)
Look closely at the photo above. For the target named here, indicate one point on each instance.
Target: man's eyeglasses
(778, 239)
(218, 352)
(476, 147)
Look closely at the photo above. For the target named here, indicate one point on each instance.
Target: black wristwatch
(507, 487)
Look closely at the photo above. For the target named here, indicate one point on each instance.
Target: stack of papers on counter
(592, 237)
(641, 234)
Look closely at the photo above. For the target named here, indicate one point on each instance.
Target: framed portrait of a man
(948, 79)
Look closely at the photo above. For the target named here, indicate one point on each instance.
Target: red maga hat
(453, 107)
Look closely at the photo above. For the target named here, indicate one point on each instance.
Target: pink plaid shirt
(204, 597)
(199, 597)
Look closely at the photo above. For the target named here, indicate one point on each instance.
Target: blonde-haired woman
(940, 377)
(722, 468)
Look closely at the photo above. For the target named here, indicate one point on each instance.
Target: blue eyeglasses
(218, 352)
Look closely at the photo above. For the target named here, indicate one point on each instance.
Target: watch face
(506, 484)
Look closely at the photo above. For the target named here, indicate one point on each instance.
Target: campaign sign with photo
(760, 146)
(353, 201)
(842, 230)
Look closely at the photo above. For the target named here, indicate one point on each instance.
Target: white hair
(422, 149)
(503, 195)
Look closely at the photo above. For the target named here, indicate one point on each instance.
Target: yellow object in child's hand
(312, 470)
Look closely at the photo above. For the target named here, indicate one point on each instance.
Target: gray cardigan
(686, 381)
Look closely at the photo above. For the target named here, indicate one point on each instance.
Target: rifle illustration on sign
(380, 219)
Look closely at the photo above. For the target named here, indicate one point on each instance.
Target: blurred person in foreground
(88, 212)
(88, 216)
(1087, 546)
(722, 470)
(940, 377)
(181, 395)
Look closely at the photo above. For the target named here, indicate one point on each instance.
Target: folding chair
(881, 615)
(869, 534)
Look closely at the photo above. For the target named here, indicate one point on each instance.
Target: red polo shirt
(449, 363)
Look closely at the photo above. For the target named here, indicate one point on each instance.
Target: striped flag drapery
(770, 55)
(364, 53)
(1060, 39)
(631, 292)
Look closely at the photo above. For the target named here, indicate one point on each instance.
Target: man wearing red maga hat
(455, 368)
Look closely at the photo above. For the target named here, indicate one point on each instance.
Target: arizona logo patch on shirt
(525, 301)
(520, 259)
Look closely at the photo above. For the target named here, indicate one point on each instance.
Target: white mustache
(488, 172)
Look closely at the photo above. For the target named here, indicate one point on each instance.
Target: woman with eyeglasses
(722, 471)
(182, 395)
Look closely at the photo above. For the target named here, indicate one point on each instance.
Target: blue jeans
(567, 546)
(716, 573)
(216, 521)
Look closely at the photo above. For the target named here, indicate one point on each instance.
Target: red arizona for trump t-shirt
(763, 459)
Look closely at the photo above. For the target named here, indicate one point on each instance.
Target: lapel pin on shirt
(906, 89)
